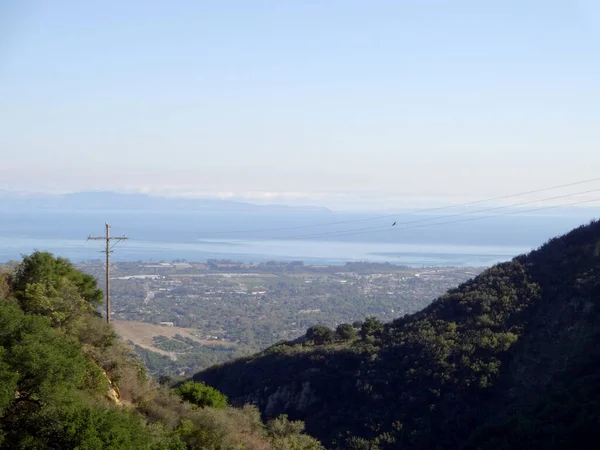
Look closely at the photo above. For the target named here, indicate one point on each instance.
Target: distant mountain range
(117, 201)
(107, 200)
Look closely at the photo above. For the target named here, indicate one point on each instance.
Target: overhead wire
(481, 217)
(114, 245)
(208, 234)
(380, 228)
(418, 211)
(420, 224)
(431, 220)
(388, 227)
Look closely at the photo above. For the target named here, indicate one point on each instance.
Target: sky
(356, 104)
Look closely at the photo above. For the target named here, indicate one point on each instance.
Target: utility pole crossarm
(108, 250)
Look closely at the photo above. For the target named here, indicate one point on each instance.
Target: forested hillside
(67, 382)
(509, 359)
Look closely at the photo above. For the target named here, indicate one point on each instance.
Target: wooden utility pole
(108, 251)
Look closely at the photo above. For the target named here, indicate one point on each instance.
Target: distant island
(106, 200)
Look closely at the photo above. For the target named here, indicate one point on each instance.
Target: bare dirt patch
(141, 333)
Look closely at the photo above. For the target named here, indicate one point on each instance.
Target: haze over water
(264, 236)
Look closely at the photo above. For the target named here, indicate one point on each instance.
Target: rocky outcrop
(286, 398)
(112, 393)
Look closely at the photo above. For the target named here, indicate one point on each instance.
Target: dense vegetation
(200, 394)
(67, 382)
(509, 359)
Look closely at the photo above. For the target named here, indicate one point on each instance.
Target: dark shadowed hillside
(509, 359)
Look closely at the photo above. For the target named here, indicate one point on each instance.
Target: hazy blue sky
(333, 102)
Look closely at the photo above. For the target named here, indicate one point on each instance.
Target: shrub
(345, 332)
(201, 395)
(320, 335)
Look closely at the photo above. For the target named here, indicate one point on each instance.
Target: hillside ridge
(481, 367)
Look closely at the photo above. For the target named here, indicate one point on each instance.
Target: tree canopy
(52, 287)
(320, 334)
(201, 395)
(68, 382)
(345, 332)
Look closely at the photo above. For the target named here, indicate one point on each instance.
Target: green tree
(52, 287)
(289, 435)
(51, 393)
(5, 285)
(43, 268)
(39, 369)
(320, 335)
(55, 379)
(75, 423)
(201, 395)
(345, 332)
(44, 361)
(371, 328)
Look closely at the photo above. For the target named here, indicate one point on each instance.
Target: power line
(380, 228)
(418, 211)
(430, 222)
(108, 251)
(387, 227)
(115, 244)
(468, 219)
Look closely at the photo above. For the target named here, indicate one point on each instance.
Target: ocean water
(312, 237)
